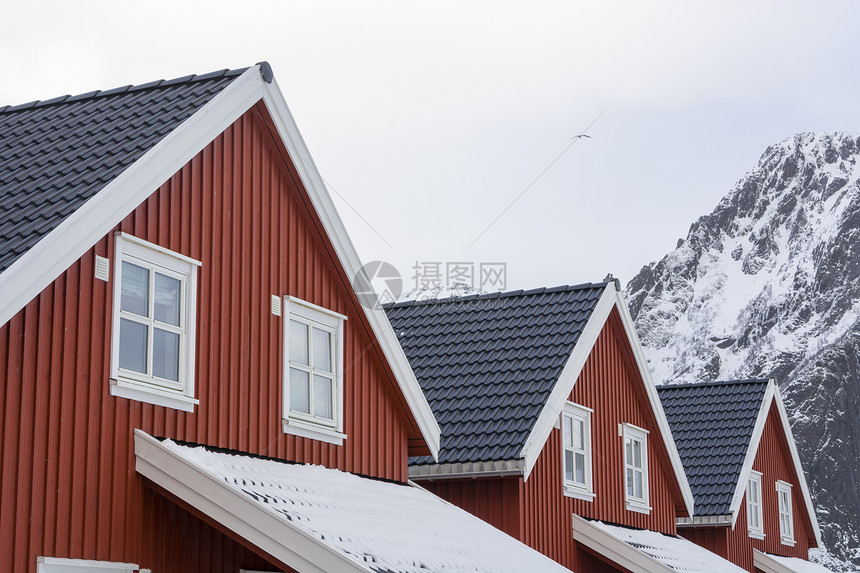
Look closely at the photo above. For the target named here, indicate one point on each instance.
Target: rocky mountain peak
(768, 284)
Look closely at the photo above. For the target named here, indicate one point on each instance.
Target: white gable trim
(348, 256)
(605, 544)
(772, 394)
(777, 564)
(609, 299)
(57, 251)
(217, 500)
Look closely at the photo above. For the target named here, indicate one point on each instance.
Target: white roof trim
(611, 298)
(348, 256)
(778, 564)
(216, 499)
(773, 394)
(57, 251)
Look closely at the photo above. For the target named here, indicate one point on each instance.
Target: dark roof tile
(57, 154)
(712, 424)
(488, 363)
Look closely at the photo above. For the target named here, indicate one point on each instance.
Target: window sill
(578, 493)
(141, 392)
(788, 542)
(756, 534)
(638, 507)
(313, 431)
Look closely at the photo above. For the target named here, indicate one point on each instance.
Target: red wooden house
(552, 429)
(173, 274)
(753, 505)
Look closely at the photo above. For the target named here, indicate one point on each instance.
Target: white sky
(430, 118)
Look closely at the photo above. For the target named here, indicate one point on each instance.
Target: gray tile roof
(712, 424)
(488, 363)
(57, 154)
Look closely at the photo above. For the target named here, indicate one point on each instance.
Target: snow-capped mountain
(768, 285)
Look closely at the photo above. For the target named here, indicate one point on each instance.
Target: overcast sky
(431, 119)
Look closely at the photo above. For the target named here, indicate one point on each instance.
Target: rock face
(768, 285)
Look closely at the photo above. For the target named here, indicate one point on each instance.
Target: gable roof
(641, 550)
(725, 421)
(768, 563)
(488, 363)
(315, 519)
(498, 368)
(713, 425)
(83, 193)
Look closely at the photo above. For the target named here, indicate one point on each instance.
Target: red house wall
(68, 487)
(609, 384)
(773, 460)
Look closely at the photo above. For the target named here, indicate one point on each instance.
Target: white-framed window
(58, 565)
(313, 371)
(786, 516)
(154, 320)
(636, 468)
(754, 513)
(576, 451)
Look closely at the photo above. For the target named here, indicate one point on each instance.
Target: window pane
(567, 430)
(637, 454)
(299, 391)
(629, 451)
(132, 345)
(578, 434)
(568, 465)
(637, 482)
(134, 295)
(165, 354)
(322, 349)
(322, 397)
(629, 482)
(580, 467)
(298, 342)
(167, 299)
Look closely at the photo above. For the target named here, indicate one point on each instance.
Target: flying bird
(580, 136)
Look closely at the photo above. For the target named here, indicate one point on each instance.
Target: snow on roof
(777, 564)
(676, 553)
(379, 525)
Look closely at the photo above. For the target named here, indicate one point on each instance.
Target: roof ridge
(714, 383)
(494, 295)
(123, 89)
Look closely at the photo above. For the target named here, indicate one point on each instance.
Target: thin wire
(574, 139)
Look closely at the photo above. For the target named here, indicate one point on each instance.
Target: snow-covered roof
(313, 518)
(769, 563)
(640, 550)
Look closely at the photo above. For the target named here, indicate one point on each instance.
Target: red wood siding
(609, 384)
(773, 460)
(68, 486)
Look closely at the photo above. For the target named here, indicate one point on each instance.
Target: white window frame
(572, 488)
(299, 423)
(786, 513)
(146, 387)
(60, 565)
(755, 509)
(636, 434)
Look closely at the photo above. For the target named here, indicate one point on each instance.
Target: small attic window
(154, 318)
(576, 451)
(313, 371)
(754, 513)
(636, 468)
(786, 515)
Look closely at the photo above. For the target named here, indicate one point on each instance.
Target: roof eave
(215, 499)
(467, 470)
